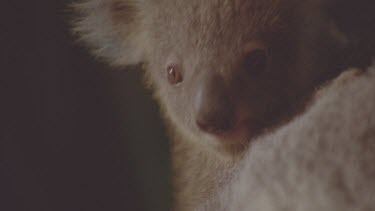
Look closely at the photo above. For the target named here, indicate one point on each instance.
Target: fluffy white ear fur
(112, 29)
(323, 160)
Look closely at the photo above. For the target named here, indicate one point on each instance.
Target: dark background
(74, 134)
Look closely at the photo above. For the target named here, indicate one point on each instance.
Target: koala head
(224, 71)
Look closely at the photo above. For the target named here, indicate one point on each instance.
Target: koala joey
(223, 71)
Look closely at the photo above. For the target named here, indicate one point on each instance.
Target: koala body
(224, 71)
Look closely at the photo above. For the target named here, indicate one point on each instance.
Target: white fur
(324, 160)
(119, 43)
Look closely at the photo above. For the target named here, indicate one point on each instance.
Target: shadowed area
(74, 135)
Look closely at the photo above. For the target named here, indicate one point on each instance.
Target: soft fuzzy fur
(307, 44)
(323, 160)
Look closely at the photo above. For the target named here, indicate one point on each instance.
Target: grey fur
(323, 160)
(207, 40)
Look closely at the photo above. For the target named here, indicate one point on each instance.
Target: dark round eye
(174, 75)
(256, 61)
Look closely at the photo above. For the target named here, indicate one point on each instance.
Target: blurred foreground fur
(323, 160)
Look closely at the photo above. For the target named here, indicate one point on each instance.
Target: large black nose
(214, 110)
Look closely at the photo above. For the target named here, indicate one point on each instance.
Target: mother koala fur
(225, 71)
(322, 160)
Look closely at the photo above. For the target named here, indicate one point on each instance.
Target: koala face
(214, 69)
(224, 71)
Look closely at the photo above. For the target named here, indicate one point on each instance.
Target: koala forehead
(184, 25)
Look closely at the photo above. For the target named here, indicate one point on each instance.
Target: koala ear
(112, 29)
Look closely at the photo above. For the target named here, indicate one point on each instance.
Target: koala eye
(174, 75)
(255, 62)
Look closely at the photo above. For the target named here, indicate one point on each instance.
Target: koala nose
(216, 122)
(214, 112)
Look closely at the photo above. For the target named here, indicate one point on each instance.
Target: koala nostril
(216, 123)
(256, 61)
(203, 126)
